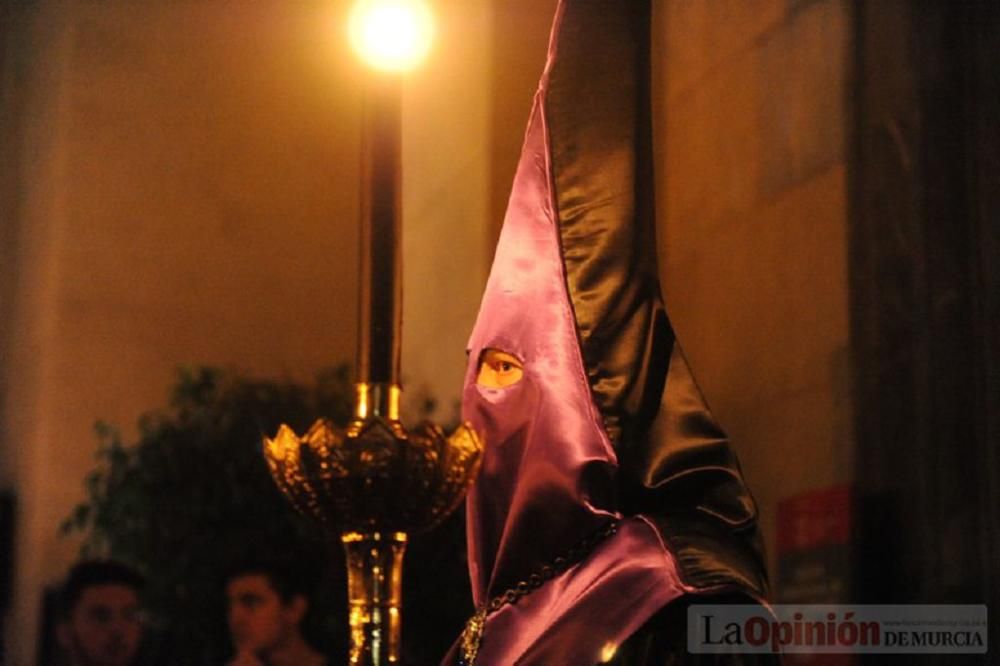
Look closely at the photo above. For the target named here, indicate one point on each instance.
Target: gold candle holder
(374, 593)
(373, 483)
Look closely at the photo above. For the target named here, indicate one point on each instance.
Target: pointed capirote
(607, 424)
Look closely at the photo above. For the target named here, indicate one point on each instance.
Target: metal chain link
(549, 571)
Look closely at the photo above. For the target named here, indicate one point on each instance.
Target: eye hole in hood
(498, 369)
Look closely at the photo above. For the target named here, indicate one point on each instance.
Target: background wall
(751, 127)
(925, 319)
(520, 43)
(180, 187)
(175, 159)
(446, 197)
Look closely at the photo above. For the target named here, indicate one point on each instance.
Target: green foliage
(193, 495)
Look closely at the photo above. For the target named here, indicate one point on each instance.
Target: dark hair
(288, 579)
(91, 573)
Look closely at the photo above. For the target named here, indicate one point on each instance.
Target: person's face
(259, 619)
(104, 628)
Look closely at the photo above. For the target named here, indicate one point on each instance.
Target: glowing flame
(608, 652)
(391, 35)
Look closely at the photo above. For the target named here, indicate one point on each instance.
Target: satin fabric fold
(582, 616)
(675, 460)
(548, 476)
(607, 422)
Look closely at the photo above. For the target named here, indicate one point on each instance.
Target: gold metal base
(372, 482)
(373, 400)
(374, 595)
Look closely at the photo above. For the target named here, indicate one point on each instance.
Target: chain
(472, 636)
(549, 571)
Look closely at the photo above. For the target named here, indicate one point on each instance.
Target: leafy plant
(193, 494)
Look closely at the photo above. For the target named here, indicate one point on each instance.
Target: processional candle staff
(374, 482)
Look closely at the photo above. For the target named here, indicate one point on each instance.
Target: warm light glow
(391, 35)
(608, 652)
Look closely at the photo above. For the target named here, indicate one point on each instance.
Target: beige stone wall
(751, 127)
(520, 43)
(187, 193)
(446, 185)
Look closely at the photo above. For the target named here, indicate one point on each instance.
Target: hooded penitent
(606, 425)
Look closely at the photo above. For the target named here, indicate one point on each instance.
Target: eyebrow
(244, 597)
(110, 609)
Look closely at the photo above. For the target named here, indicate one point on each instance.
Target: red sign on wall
(814, 557)
(814, 519)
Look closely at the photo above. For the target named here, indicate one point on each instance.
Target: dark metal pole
(372, 482)
(375, 558)
(381, 275)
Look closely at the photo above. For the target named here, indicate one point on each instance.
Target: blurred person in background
(267, 605)
(100, 621)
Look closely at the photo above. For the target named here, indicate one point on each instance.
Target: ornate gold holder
(374, 594)
(373, 483)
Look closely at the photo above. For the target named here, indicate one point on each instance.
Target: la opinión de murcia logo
(828, 629)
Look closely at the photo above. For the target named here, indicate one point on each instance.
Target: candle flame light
(391, 35)
(373, 481)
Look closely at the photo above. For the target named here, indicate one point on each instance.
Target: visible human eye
(498, 369)
(249, 601)
(100, 614)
